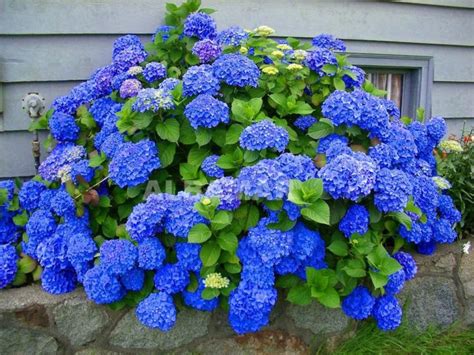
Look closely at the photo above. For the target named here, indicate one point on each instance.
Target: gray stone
(97, 351)
(25, 341)
(466, 274)
(80, 320)
(431, 300)
(318, 319)
(441, 262)
(29, 296)
(130, 333)
(267, 342)
(469, 312)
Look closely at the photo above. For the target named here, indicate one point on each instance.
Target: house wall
(49, 46)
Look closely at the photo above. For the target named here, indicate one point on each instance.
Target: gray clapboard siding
(361, 20)
(49, 58)
(453, 100)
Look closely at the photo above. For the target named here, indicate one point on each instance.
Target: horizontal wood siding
(50, 45)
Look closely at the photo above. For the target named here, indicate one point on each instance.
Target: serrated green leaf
(300, 295)
(233, 134)
(228, 241)
(168, 130)
(199, 234)
(320, 129)
(210, 253)
(221, 220)
(339, 248)
(317, 212)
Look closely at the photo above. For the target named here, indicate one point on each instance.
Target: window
(407, 79)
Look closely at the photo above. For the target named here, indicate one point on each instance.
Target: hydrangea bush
(289, 171)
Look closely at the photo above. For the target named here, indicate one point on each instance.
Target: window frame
(417, 77)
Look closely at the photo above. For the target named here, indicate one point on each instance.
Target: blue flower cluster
(318, 58)
(327, 41)
(207, 50)
(210, 168)
(236, 70)
(206, 111)
(262, 135)
(153, 100)
(63, 127)
(356, 220)
(200, 80)
(232, 36)
(154, 71)
(227, 190)
(200, 25)
(304, 122)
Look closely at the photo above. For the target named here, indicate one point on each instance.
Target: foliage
(319, 182)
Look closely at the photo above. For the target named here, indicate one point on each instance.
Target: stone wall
(33, 322)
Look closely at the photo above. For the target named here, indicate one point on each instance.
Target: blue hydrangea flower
(128, 58)
(63, 155)
(426, 248)
(188, 256)
(304, 122)
(307, 244)
(387, 313)
(65, 104)
(447, 210)
(194, 299)
(318, 58)
(357, 81)
(232, 36)
(402, 142)
(249, 308)
(102, 79)
(206, 111)
(210, 168)
(425, 194)
(52, 253)
(63, 204)
(130, 88)
(414, 235)
(443, 231)
(29, 195)
(356, 220)
(118, 256)
(58, 282)
(118, 80)
(146, 218)
(8, 266)
(325, 142)
(270, 244)
(341, 107)
(151, 254)
(328, 41)
(81, 169)
(257, 274)
(153, 100)
(349, 176)
(227, 189)
(163, 31)
(101, 287)
(133, 163)
(101, 108)
(40, 226)
(63, 127)
(236, 70)
(9, 186)
(262, 135)
(182, 215)
(437, 129)
(392, 190)
(408, 264)
(133, 280)
(383, 155)
(207, 50)
(168, 84)
(157, 311)
(200, 25)
(373, 116)
(359, 303)
(125, 42)
(200, 80)
(111, 144)
(264, 179)
(81, 249)
(9, 231)
(154, 71)
(337, 148)
(423, 142)
(391, 108)
(171, 278)
(299, 167)
(395, 283)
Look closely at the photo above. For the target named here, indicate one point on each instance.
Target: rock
(469, 312)
(442, 261)
(318, 319)
(130, 333)
(466, 274)
(432, 300)
(25, 341)
(23, 297)
(97, 351)
(79, 320)
(267, 342)
(34, 315)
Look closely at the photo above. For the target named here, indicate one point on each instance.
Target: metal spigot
(33, 104)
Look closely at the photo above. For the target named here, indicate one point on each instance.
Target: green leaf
(226, 161)
(320, 129)
(228, 241)
(168, 130)
(97, 160)
(188, 171)
(221, 220)
(109, 227)
(355, 268)
(3, 196)
(209, 293)
(330, 298)
(232, 268)
(196, 155)
(339, 84)
(338, 247)
(312, 190)
(300, 295)
(378, 280)
(317, 212)
(287, 281)
(199, 233)
(203, 136)
(26, 265)
(167, 152)
(134, 191)
(330, 68)
(295, 194)
(210, 253)
(402, 218)
(233, 134)
(21, 219)
(142, 120)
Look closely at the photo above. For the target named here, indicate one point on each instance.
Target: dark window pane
(392, 83)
